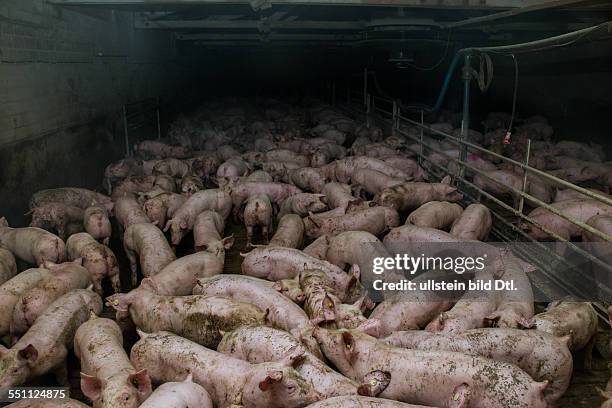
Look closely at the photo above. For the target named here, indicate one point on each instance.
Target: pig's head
(155, 210)
(351, 316)
(218, 248)
(279, 385)
(291, 288)
(313, 203)
(452, 194)
(343, 347)
(319, 158)
(3, 222)
(97, 224)
(190, 185)
(178, 229)
(49, 249)
(374, 383)
(16, 364)
(389, 197)
(118, 391)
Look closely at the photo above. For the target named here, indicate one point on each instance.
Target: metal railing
(390, 112)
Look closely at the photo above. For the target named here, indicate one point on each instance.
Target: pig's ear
(183, 224)
(524, 323)
(272, 377)
(228, 242)
(91, 386)
(371, 327)
(313, 220)
(294, 357)
(119, 302)
(446, 180)
(28, 353)
(3, 222)
(141, 381)
(278, 286)
(49, 265)
(329, 308)
(347, 339)
(149, 284)
(78, 261)
(492, 319)
(168, 225)
(460, 397)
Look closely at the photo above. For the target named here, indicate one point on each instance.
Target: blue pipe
(447, 79)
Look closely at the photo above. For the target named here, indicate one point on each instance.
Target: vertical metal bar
(394, 118)
(397, 116)
(465, 122)
(158, 120)
(365, 85)
(125, 132)
(421, 138)
(524, 186)
(369, 105)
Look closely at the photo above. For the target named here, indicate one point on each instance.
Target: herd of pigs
(322, 196)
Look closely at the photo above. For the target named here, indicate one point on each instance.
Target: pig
(375, 220)
(120, 170)
(342, 170)
(258, 213)
(472, 311)
(226, 152)
(289, 232)
(541, 355)
(232, 168)
(582, 151)
(182, 394)
(205, 166)
(576, 319)
(279, 170)
(318, 248)
(178, 277)
(145, 244)
(435, 214)
(56, 216)
(377, 150)
(295, 145)
(165, 182)
(359, 401)
(159, 150)
(424, 377)
(282, 313)
(8, 266)
(474, 223)
(338, 195)
(162, 207)
(283, 155)
(32, 245)
(97, 224)
(276, 263)
(260, 344)
(260, 175)
(133, 185)
(569, 194)
(580, 210)
(184, 218)
(500, 183)
(12, 290)
(201, 319)
(579, 174)
(191, 184)
(410, 195)
(277, 192)
(290, 288)
(34, 301)
(514, 306)
(302, 204)
(308, 179)
(407, 165)
(602, 223)
(324, 153)
(373, 181)
(129, 212)
(207, 231)
(334, 135)
(77, 197)
(229, 381)
(108, 378)
(98, 259)
(44, 348)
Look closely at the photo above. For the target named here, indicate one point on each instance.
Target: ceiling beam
(270, 37)
(459, 4)
(262, 25)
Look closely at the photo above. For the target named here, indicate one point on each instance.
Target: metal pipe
(158, 120)
(465, 122)
(365, 86)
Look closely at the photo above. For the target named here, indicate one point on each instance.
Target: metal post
(465, 122)
(365, 86)
(524, 186)
(421, 139)
(125, 132)
(369, 104)
(158, 120)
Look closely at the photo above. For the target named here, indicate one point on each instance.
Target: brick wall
(64, 76)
